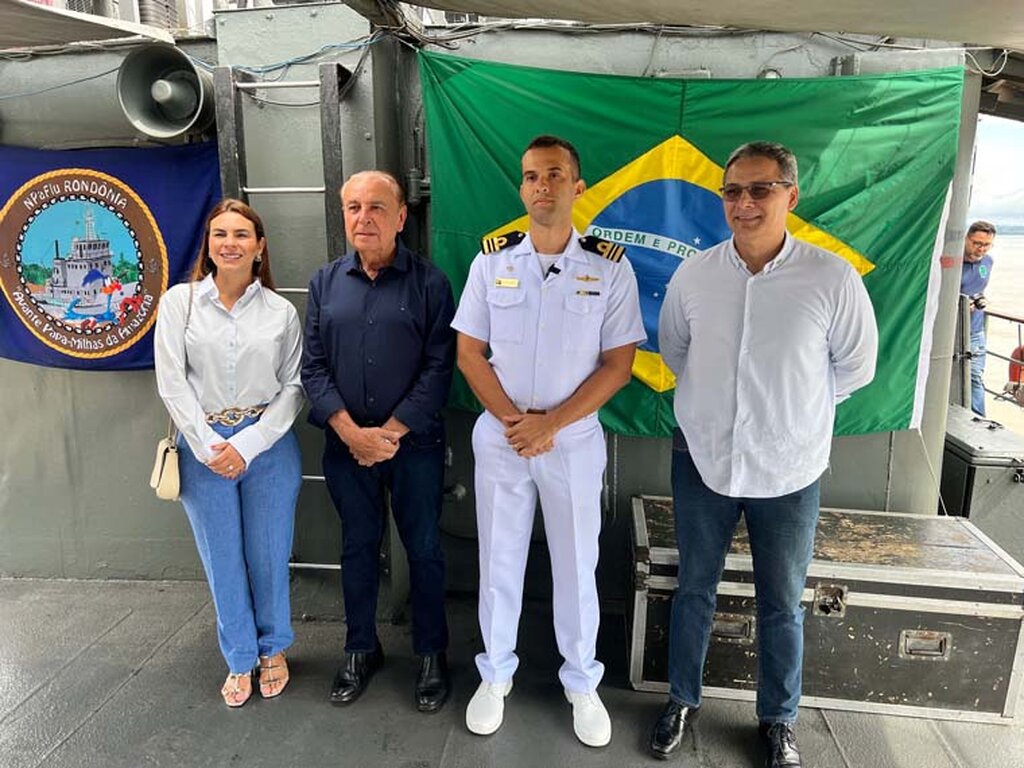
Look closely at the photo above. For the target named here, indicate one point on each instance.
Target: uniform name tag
(588, 293)
(506, 282)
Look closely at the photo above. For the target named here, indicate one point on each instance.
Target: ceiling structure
(995, 23)
(24, 24)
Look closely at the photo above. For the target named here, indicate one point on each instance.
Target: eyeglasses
(980, 245)
(757, 190)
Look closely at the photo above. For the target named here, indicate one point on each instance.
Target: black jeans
(415, 478)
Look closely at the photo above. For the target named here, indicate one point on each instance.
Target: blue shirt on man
(379, 348)
(974, 280)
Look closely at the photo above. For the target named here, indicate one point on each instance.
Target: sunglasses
(757, 190)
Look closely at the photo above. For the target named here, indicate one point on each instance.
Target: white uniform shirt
(762, 360)
(547, 333)
(248, 355)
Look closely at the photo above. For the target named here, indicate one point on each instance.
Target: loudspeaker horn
(162, 93)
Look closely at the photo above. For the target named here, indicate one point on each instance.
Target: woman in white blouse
(228, 351)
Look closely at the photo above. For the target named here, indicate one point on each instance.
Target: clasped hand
(530, 434)
(369, 445)
(227, 461)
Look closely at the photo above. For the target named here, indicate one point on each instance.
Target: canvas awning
(996, 23)
(24, 24)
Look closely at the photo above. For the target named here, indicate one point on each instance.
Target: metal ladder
(227, 86)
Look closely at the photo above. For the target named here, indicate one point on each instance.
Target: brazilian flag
(876, 156)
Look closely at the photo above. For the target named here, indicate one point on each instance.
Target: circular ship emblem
(82, 262)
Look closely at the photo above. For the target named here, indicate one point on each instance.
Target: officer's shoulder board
(603, 248)
(499, 242)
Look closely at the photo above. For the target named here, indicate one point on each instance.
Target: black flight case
(906, 615)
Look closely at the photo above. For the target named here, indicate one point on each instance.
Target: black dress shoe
(354, 675)
(781, 741)
(668, 731)
(433, 684)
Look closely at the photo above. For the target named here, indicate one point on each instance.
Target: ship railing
(1013, 389)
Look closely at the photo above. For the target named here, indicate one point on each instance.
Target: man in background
(977, 270)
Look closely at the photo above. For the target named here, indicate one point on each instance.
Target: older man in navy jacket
(377, 366)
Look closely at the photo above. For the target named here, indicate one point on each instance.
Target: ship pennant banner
(89, 242)
(876, 157)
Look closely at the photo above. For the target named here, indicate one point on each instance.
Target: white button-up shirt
(547, 333)
(762, 360)
(248, 355)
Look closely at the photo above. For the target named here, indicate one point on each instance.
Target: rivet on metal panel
(367, 135)
(312, 14)
(269, 16)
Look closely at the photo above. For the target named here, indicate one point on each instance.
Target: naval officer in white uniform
(560, 315)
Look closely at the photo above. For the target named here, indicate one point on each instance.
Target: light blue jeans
(781, 532)
(243, 531)
(977, 371)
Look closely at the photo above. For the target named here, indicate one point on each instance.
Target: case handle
(733, 628)
(925, 645)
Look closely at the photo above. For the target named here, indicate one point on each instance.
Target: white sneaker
(590, 719)
(487, 707)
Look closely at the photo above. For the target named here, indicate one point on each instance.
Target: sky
(66, 220)
(997, 192)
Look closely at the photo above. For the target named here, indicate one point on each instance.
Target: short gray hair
(773, 151)
(390, 178)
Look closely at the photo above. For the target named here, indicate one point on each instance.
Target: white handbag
(165, 479)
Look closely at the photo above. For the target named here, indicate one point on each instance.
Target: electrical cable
(25, 94)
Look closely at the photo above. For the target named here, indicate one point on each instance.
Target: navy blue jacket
(379, 348)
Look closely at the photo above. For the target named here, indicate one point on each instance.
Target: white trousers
(568, 480)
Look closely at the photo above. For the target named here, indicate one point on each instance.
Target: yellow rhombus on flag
(676, 158)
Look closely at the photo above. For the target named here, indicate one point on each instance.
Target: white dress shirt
(246, 356)
(762, 360)
(547, 332)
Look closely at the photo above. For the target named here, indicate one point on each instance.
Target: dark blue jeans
(781, 534)
(415, 479)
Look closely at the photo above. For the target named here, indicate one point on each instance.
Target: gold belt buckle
(232, 417)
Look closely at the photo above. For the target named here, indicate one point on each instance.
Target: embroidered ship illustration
(82, 287)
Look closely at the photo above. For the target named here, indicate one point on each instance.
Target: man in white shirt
(548, 326)
(766, 334)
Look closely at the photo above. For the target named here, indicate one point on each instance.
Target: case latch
(830, 600)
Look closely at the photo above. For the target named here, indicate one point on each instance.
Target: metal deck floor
(110, 674)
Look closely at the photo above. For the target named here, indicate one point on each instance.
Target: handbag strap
(172, 430)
